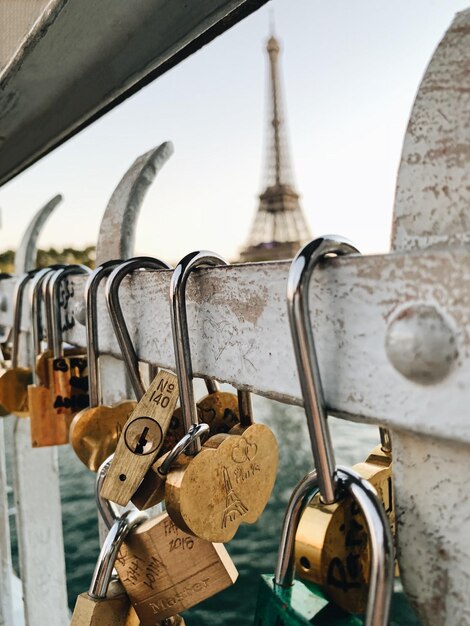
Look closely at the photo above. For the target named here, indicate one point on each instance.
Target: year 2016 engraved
(181, 543)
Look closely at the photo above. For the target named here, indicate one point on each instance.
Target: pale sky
(350, 68)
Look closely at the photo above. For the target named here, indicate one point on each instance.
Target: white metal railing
(393, 337)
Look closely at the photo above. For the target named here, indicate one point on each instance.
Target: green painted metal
(304, 604)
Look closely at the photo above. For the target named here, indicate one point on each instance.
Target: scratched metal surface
(432, 210)
(239, 333)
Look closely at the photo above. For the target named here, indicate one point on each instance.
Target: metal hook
(18, 310)
(25, 256)
(381, 541)
(91, 328)
(117, 317)
(179, 326)
(117, 229)
(306, 356)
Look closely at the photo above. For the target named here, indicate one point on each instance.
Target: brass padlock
(218, 409)
(151, 490)
(94, 431)
(67, 375)
(48, 426)
(106, 601)
(15, 380)
(164, 570)
(211, 490)
(332, 547)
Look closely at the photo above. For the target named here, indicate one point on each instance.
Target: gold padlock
(211, 490)
(67, 375)
(48, 426)
(95, 430)
(15, 380)
(331, 545)
(165, 571)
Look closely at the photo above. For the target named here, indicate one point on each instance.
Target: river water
(254, 547)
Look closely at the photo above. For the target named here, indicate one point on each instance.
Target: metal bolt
(420, 344)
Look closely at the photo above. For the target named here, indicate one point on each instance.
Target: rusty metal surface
(118, 225)
(432, 210)
(83, 57)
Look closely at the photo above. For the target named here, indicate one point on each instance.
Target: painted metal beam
(239, 333)
(83, 57)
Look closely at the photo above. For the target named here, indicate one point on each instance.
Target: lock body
(14, 390)
(166, 571)
(95, 431)
(110, 611)
(48, 426)
(68, 379)
(332, 545)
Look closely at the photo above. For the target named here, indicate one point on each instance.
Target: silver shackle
(328, 477)
(109, 551)
(179, 327)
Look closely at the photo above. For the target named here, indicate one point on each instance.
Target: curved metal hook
(18, 310)
(381, 541)
(53, 286)
(25, 256)
(117, 230)
(306, 356)
(179, 327)
(117, 317)
(91, 328)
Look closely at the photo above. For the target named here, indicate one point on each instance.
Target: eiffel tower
(279, 228)
(234, 507)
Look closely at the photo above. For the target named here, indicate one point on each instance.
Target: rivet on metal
(420, 344)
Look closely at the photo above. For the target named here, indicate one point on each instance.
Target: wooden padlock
(332, 545)
(95, 431)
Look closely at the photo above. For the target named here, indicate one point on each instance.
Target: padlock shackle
(35, 295)
(107, 510)
(91, 328)
(109, 551)
(380, 535)
(179, 327)
(306, 356)
(53, 292)
(117, 317)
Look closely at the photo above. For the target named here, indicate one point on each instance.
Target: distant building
(279, 228)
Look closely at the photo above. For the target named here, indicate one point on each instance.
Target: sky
(350, 72)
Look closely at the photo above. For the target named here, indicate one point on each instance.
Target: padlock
(218, 409)
(321, 549)
(151, 491)
(332, 482)
(211, 490)
(15, 380)
(67, 375)
(106, 603)
(95, 430)
(144, 432)
(164, 570)
(48, 426)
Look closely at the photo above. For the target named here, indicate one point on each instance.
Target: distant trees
(49, 257)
